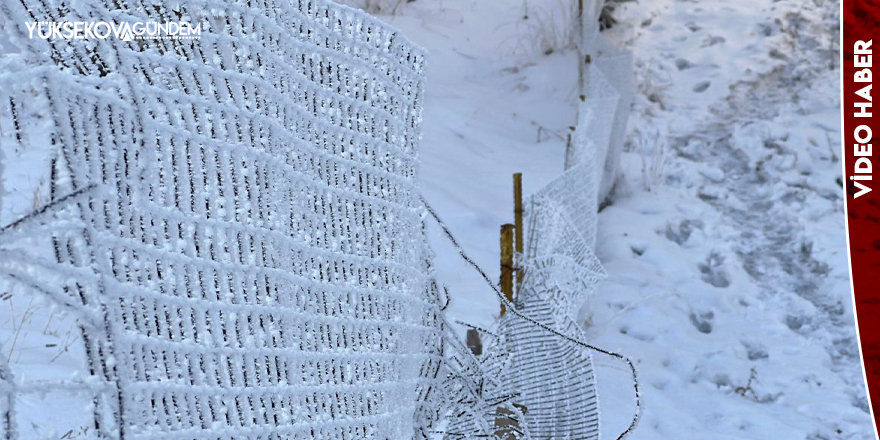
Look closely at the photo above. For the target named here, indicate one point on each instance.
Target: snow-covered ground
(491, 109)
(725, 241)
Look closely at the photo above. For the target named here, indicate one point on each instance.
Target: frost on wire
(235, 223)
(553, 377)
(248, 259)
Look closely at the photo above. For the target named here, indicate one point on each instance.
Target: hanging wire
(510, 307)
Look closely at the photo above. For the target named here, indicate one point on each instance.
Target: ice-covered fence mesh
(232, 225)
(552, 377)
(608, 76)
(245, 265)
(562, 258)
(616, 68)
(579, 190)
(563, 405)
(476, 392)
(600, 135)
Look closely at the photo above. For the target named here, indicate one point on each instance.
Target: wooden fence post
(506, 263)
(518, 225)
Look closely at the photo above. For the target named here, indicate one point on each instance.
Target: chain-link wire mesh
(231, 224)
(243, 266)
(550, 369)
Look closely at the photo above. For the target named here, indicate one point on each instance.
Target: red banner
(861, 24)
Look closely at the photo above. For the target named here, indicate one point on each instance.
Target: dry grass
(653, 167)
(546, 28)
(25, 321)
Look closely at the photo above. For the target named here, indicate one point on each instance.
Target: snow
(488, 113)
(180, 256)
(724, 244)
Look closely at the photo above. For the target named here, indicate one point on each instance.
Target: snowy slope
(742, 269)
(725, 241)
(491, 109)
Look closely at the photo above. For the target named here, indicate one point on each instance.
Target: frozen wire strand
(503, 399)
(498, 401)
(46, 208)
(46, 386)
(459, 435)
(476, 328)
(446, 300)
(512, 309)
(16, 275)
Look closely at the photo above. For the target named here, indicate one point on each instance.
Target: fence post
(506, 263)
(474, 342)
(569, 151)
(518, 225)
(579, 44)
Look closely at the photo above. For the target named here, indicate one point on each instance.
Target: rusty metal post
(518, 225)
(506, 263)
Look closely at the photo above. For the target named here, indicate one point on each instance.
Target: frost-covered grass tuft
(548, 26)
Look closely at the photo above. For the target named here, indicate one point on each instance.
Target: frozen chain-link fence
(239, 248)
(551, 373)
(231, 221)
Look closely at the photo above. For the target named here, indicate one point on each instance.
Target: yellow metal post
(506, 263)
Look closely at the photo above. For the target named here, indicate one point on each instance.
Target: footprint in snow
(755, 350)
(681, 233)
(711, 41)
(683, 64)
(702, 86)
(712, 271)
(703, 321)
